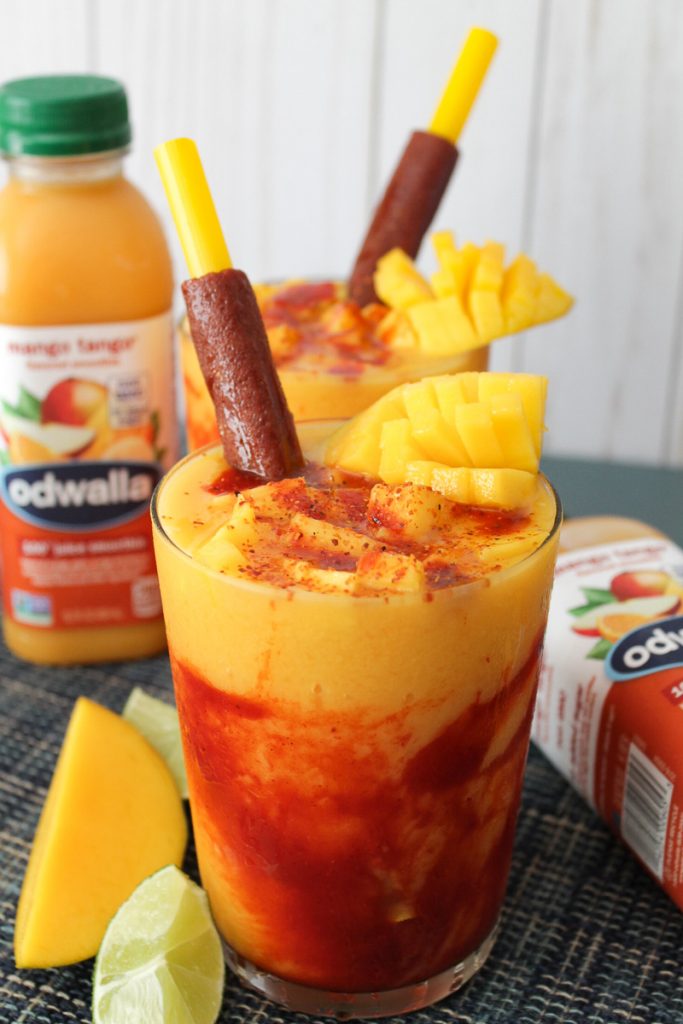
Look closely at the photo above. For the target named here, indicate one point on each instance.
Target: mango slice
(113, 815)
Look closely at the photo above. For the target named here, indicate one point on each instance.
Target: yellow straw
(463, 85)
(192, 207)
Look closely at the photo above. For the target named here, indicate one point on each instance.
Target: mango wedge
(112, 817)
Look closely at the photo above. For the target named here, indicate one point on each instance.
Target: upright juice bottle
(87, 418)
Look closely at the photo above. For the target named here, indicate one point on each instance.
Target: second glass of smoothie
(333, 358)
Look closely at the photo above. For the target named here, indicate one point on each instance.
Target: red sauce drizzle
(326, 323)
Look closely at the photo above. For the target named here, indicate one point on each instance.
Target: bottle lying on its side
(610, 696)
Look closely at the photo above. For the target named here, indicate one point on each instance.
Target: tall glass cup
(355, 766)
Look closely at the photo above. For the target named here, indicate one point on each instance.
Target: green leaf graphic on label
(27, 406)
(594, 599)
(600, 650)
(595, 595)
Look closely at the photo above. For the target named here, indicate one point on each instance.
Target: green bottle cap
(63, 115)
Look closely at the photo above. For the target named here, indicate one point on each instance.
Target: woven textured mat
(586, 935)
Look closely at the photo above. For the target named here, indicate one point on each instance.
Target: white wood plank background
(574, 152)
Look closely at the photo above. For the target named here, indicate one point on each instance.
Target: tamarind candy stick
(417, 186)
(254, 422)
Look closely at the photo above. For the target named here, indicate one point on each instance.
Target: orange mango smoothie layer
(355, 667)
(333, 358)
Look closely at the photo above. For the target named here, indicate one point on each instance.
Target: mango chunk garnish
(430, 432)
(398, 282)
(470, 299)
(442, 326)
(404, 510)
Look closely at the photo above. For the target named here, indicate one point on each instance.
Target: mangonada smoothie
(355, 667)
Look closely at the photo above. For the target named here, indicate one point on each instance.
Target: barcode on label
(645, 811)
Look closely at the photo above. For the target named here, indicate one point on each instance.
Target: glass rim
(303, 593)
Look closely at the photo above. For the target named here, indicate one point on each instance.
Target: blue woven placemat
(586, 935)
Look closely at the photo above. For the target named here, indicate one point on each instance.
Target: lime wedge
(161, 958)
(158, 723)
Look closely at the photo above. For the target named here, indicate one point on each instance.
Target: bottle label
(610, 702)
(87, 427)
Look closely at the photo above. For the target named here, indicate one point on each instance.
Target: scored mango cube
(459, 264)
(513, 432)
(454, 390)
(552, 301)
(518, 297)
(420, 472)
(398, 282)
(435, 436)
(487, 274)
(356, 446)
(486, 488)
(397, 448)
(474, 424)
(445, 249)
(442, 327)
(532, 389)
(443, 283)
(486, 314)
(454, 482)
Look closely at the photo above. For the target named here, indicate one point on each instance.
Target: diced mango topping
(393, 503)
(474, 437)
(470, 299)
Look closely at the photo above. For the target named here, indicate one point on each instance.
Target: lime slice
(158, 723)
(161, 958)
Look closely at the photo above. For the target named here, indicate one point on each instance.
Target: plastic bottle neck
(67, 170)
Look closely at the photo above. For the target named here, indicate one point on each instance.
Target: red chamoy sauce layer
(315, 325)
(362, 866)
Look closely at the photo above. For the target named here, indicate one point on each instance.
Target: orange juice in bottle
(87, 412)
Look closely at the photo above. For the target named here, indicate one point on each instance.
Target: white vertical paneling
(277, 96)
(486, 197)
(608, 217)
(574, 151)
(39, 37)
